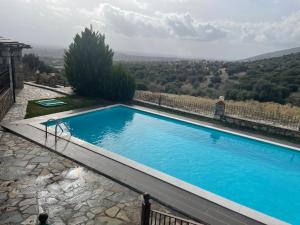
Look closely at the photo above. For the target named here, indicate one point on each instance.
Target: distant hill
(54, 56)
(273, 54)
(46, 53)
(140, 57)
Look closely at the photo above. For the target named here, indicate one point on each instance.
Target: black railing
(154, 217)
(4, 79)
(161, 218)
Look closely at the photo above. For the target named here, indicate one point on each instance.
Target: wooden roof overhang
(8, 43)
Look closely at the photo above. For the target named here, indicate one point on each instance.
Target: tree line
(268, 80)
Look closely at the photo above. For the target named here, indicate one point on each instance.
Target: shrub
(215, 79)
(122, 84)
(34, 63)
(142, 87)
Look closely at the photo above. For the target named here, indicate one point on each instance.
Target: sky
(210, 29)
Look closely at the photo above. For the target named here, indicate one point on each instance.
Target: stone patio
(35, 180)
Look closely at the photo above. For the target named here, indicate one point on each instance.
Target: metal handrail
(46, 125)
(159, 218)
(153, 217)
(57, 124)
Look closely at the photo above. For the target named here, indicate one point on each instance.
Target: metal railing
(154, 217)
(274, 118)
(4, 79)
(176, 102)
(194, 106)
(161, 218)
(57, 125)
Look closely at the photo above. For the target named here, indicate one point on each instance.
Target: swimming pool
(259, 175)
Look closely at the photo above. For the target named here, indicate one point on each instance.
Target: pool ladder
(57, 125)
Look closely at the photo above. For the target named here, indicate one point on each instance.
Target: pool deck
(187, 202)
(34, 179)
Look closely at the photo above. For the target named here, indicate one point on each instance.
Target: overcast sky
(218, 29)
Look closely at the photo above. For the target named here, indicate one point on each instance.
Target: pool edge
(236, 207)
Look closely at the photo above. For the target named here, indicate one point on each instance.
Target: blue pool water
(259, 175)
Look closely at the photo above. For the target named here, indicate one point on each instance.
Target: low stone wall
(51, 80)
(6, 101)
(261, 127)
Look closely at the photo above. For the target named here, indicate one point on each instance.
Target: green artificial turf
(72, 102)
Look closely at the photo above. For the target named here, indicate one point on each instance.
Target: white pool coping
(236, 207)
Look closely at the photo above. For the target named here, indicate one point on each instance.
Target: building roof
(12, 44)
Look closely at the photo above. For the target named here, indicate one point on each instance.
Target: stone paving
(35, 180)
(18, 110)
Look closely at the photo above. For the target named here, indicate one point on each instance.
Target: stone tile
(56, 221)
(33, 210)
(107, 221)
(98, 210)
(3, 196)
(41, 159)
(92, 203)
(23, 207)
(90, 223)
(31, 220)
(30, 166)
(122, 215)
(12, 194)
(11, 217)
(54, 210)
(77, 220)
(113, 211)
(90, 215)
(30, 201)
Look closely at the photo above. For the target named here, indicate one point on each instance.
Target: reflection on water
(92, 127)
(215, 137)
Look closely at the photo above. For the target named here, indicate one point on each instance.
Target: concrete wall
(19, 74)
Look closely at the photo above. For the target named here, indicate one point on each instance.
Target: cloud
(139, 22)
(215, 28)
(160, 25)
(285, 31)
(131, 23)
(185, 27)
